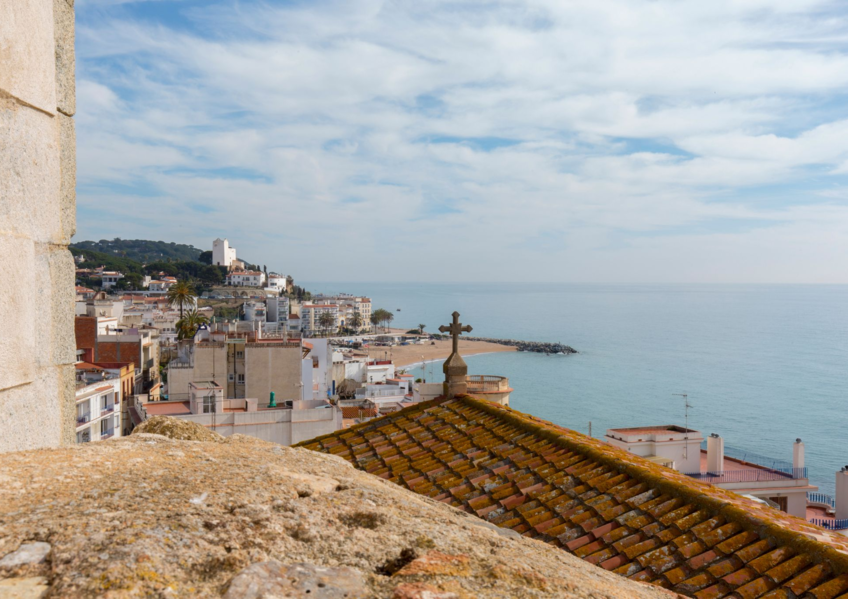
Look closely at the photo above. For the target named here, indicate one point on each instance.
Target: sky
(515, 141)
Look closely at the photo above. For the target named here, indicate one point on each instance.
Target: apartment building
(278, 309)
(348, 305)
(98, 404)
(246, 278)
(310, 315)
(244, 366)
(103, 341)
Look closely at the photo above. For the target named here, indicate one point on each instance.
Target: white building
(278, 309)
(159, 286)
(255, 311)
(222, 253)
(246, 278)
(276, 282)
(288, 422)
(310, 315)
(98, 408)
(109, 279)
(783, 485)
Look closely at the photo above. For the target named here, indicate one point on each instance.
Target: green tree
(326, 321)
(182, 295)
(381, 316)
(421, 328)
(187, 325)
(356, 321)
(205, 257)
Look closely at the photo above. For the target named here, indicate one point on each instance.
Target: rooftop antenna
(687, 405)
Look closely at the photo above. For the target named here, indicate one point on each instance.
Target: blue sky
(539, 140)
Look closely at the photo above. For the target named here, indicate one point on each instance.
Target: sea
(762, 365)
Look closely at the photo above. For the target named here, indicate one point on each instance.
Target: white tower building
(222, 253)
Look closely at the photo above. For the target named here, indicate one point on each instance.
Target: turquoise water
(762, 364)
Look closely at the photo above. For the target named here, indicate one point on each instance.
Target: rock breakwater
(539, 347)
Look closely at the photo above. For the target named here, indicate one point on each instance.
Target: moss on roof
(603, 504)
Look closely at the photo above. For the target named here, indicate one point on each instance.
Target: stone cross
(455, 329)
(455, 368)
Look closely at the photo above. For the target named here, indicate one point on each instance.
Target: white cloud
(631, 133)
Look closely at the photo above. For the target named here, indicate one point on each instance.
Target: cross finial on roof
(455, 329)
(455, 368)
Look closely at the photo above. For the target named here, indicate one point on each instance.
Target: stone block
(18, 299)
(29, 418)
(29, 173)
(68, 168)
(61, 269)
(63, 29)
(27, 56)
(66, 388)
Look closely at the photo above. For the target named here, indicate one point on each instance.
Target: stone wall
(37, 220)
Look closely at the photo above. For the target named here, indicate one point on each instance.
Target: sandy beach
(404, 355)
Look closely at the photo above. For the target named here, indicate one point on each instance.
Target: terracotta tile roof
(604, 505)
(357, 412)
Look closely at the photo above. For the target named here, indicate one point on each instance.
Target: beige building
(37, 220)
(243, 368)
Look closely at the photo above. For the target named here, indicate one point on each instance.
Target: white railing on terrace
(821, 499)
(748, 476)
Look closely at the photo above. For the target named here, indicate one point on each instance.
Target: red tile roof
(357, 412)
(601, 503)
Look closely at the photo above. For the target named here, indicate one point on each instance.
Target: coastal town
(590, 341)
(263, 357)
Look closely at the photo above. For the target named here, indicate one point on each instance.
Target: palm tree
(421, 328)
(356, 321)
(326, 321)
(188, 325)
(182, 295)
(387, 319)
(375, 318)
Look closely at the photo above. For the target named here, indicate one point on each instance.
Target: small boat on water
(398, 309)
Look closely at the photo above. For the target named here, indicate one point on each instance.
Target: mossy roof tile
(612, 508)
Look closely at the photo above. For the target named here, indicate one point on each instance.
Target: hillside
(141, 250)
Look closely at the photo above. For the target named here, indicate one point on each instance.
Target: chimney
(842, 494)
(715, 453)
(798, 454)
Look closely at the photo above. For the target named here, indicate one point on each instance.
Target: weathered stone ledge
(151, 516)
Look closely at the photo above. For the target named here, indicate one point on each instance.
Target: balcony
(108, 409)
(107, 433)
(84, 419)
(830, 524)
(484, 383)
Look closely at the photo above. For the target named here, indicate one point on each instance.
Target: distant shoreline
(411, 355)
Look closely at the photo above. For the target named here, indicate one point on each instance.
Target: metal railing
(747, 476)
(821, 498)
(743, 455)
(107, 409)
(109, 433)
(830, 524)
(83, 419)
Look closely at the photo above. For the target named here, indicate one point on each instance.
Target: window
(230, 377)
(239, 354)
(240, 380)
(209, 404)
